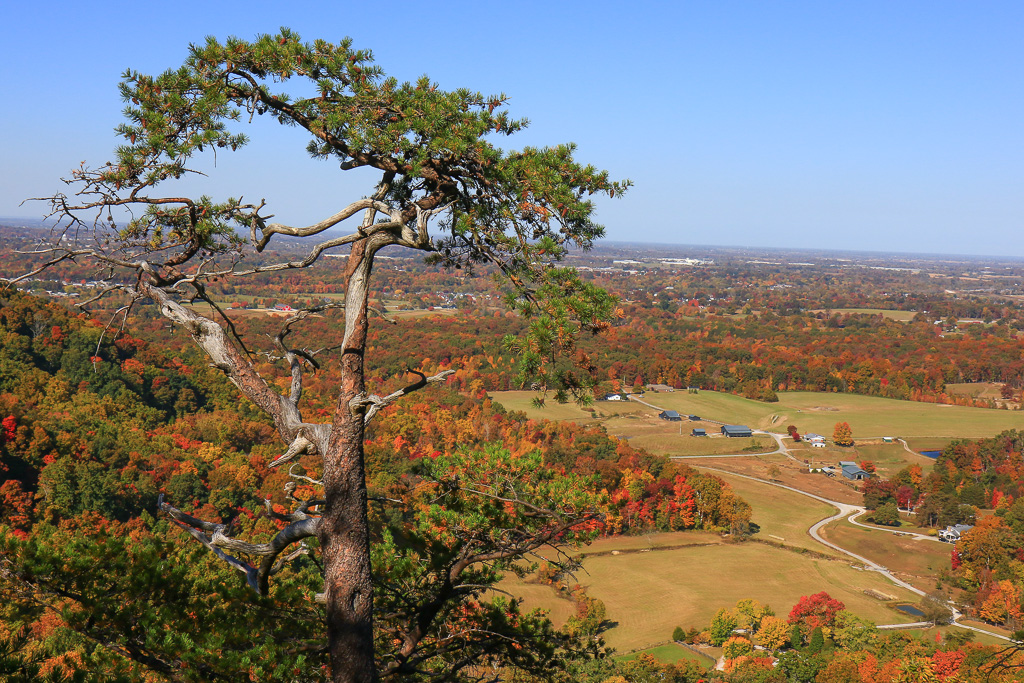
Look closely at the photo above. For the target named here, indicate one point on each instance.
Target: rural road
(846, 509)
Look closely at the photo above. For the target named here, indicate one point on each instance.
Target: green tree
(441, 187)
(722, 625)
(887, 514)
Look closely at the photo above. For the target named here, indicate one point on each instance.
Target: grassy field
(984, 390)
(869, 416)
(650, 593)
(783, 516)
(918, 562)
(650, 585)
(901, 316)
(638, 424)
(670, 653)
(890, 458)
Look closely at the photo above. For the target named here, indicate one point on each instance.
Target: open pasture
(982, 390)
(783, 516)
(670, 653)
(790, 474)
(522, 401)
(648, 594)
(917, 561)
(889, 458)
(900, 316)
(869, 416)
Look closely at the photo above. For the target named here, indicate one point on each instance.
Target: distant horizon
(38, 223)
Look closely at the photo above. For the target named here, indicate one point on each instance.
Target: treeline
(970, 477)
(93, 432)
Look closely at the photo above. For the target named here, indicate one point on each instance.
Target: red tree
(816, 610)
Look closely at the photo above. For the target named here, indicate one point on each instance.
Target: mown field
(671, 653)
(783, 516)
(648, 594)
(869, 416)
(638, 424)
(926, 425)
(901, 316)
(917, 561)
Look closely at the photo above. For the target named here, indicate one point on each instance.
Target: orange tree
(843, 435)
(441, 187)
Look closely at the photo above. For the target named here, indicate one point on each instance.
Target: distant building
(736, 430)
(814, 438)
(852, 470)
(952, 534)
(660, 387)
(613, 397)
(698, 432)
(694, 418)
(671, 415)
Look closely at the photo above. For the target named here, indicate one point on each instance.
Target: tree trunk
(344, 535)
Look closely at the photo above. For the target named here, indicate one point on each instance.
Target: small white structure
(952, 534)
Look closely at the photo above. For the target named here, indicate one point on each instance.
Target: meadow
(648, 593)
(917, 561)
(868, 416)
(900, 316)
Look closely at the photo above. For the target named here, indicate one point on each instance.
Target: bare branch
(373, 403)
(272, 229)
(216, 538)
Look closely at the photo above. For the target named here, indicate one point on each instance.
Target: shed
(670, 415)
(694, 418)
(888, 439)
(698, 432)
(853, 471)
(736, 430)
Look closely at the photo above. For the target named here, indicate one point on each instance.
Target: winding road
(845, 511)
(853, 511)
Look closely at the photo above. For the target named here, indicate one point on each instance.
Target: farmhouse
(852, 470)
(698, 432)
(670, 415)
(814, 438)
(736, 430)
(660, 388)
(612, 397)
(952, 534)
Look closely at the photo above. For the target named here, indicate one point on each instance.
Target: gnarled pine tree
(443, 188)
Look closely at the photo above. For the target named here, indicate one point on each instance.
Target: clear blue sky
(862, 125)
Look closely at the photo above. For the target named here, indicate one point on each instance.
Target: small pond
(912, 610)
(931, 454)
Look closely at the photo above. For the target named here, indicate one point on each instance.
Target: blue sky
(889, 126)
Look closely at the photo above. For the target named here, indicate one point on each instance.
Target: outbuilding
(698, 432)
(852, 470)
(736, 430)
(670, 415)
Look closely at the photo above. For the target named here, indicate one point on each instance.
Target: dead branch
(216, 538)
(372, 404)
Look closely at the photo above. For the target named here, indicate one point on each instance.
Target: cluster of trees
(822, 641)
(969, 476)
(90, 439)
